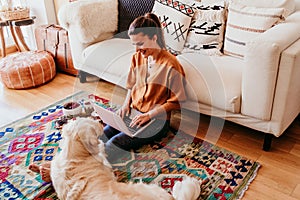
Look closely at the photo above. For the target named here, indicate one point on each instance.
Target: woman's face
(144, 44)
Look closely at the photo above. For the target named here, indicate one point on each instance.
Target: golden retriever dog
(81, 171)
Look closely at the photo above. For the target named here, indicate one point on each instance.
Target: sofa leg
(267, 142)
(82, 76)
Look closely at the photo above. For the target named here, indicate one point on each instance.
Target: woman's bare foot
(46, 164)
(34, 168)
(45, 173)
(44, 170)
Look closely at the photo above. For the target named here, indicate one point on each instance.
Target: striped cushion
(244, 23)
(27, 69)
(288, 5)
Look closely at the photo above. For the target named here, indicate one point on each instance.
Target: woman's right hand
(124, 111)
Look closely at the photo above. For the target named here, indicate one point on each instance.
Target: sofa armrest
(91, 18)
(287, 94)
(261, 66)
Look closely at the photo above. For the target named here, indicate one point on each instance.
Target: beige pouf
(27, 69)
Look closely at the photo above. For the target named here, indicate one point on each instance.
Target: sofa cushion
(175, 17)
(222, 91)
(245, 23)
(206, 29)
(109, 59)
(213, 80)
(128, 11)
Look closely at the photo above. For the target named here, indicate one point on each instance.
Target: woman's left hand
(140, 120)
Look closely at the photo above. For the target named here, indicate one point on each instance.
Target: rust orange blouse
(157, 88)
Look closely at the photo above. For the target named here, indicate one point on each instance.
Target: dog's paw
(188, 189)
(102, 154)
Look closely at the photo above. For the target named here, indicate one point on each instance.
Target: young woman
(155, 86)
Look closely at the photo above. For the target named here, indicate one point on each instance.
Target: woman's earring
(155, 38)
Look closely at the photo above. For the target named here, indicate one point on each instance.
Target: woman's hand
(124, 111)
(140, 120)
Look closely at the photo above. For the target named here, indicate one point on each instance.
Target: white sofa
(261, 91)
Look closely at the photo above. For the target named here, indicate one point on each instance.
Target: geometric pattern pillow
(206, 30)
(245, 23)
(175, 17)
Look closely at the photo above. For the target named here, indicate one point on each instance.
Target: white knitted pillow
(245, 23)
(288, 5)
(175, 17)
(89, 28)
(207, 29)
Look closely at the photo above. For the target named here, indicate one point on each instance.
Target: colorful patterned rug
(35, 139)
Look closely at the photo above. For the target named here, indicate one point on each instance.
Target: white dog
(81, 171)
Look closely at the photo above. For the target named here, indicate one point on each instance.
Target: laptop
(109, 116)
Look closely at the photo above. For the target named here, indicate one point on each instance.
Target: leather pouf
(27, 69)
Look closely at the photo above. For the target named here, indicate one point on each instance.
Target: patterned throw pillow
(207, 29)
(175, 17)
(245, 23)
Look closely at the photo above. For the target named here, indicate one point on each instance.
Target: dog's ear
(88, 135)
(68, 129)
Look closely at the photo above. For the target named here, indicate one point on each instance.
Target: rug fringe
(252, 177)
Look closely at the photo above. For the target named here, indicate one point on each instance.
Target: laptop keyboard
(152, 128)
(127, 121)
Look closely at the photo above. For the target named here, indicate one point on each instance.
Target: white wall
(59, 3)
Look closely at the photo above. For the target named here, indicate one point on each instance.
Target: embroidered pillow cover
(244, 23)
(175, 17)
(207, 29)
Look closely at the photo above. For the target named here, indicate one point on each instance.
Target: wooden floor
(278, 178)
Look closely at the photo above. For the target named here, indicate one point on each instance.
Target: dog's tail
(188, 189)
(76, 190)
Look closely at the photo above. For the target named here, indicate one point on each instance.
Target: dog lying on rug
(81, 170)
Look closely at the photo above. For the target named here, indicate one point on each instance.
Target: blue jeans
(117, 143)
